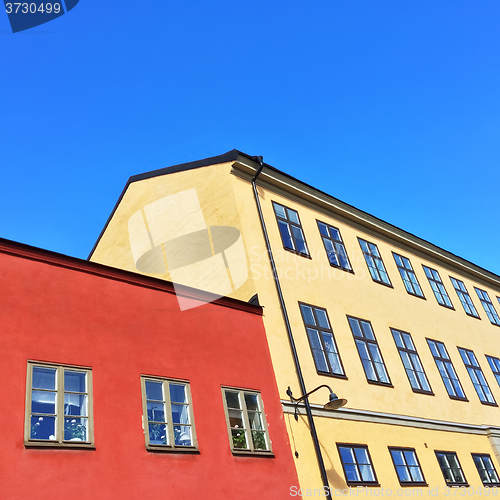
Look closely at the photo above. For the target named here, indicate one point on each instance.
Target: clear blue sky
(392, 106)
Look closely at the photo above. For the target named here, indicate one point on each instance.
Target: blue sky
(391, 106)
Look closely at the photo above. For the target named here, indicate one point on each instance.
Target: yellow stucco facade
(377, 416)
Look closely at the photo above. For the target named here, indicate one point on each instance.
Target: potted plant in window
(74, 430)
(157, 434)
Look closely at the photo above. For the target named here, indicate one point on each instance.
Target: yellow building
(404, 330)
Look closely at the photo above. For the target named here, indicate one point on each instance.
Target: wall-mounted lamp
(334, 402)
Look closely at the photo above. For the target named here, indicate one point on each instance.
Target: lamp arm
(289, 393)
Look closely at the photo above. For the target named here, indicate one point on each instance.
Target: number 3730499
(32, 8)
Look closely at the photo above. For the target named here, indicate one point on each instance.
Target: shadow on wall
(336, 480)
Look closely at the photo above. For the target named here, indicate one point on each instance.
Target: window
(357, 464)
(325, 353)
(450, 467)
(407, 466)
(368, 350)
(290, 229)
(374, 262)
(445, 367)
(411, 362)
(477, 377)
(495, 366)
(334, 246)
(246, 421)
(464, 297)
(438, 287)
(168, 414)
(488, 306)
(58, 406)
(408, 275)
(486, 469)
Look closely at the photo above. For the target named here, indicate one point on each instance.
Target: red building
(111, 392)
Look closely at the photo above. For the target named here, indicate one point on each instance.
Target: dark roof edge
(80, 265)
(226, 157)
(395, 229)
(233, 156)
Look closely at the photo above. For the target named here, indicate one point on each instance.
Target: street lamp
(334, 402)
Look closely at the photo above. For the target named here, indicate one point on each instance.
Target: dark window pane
(374, 262)
(43, 428)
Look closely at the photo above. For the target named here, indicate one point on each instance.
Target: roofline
(24, 251)
(303, 190)
(213, 160)
(276, 176)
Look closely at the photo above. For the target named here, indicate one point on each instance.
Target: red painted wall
(122, 330)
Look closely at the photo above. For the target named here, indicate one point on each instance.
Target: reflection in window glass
(408, 275)
(368, 351)
(60, 404)
(357, 465)
(321, 339)
(411, 362)
(464, 297)
(477, 376)
(446, 370)
(246, 421)
(334, 246)
(437, 287)
(169, 414)
(451, 469)
(374, 262)
(486, 469)
(290, 229)
(495, 366)
(407, 465)
(490, 310)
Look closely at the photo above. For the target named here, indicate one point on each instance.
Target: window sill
(357, 483)
(488, 404)
(457, 485)
(418, 297)
(172, 449)
(388, 285)
(424, 484)
(65, 445)
(296, 252)
(451, 308)
(456, 398)
(341, 268)
(473, 316)
(382, 384)
(249, 453)
(334, 375)
(418, 391)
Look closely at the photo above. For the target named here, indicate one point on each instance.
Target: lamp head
(335, 403)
